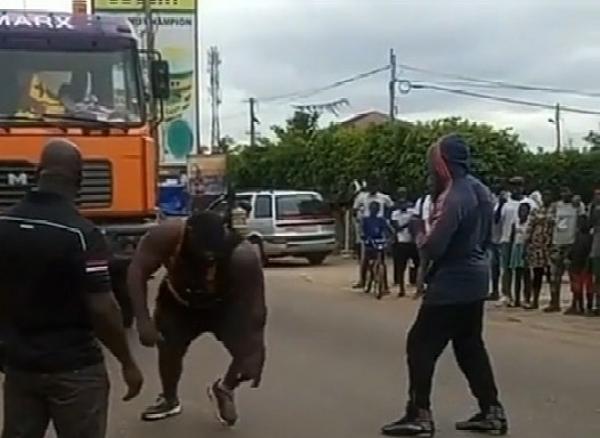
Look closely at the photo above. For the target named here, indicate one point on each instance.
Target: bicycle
(376, 270)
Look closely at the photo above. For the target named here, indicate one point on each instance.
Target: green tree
(302, 156)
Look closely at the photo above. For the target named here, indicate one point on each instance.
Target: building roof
(367, 114)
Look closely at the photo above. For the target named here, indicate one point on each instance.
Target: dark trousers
(403, 252)
(435, 327)
(522, 282)
(495, 268)
(559, 255)
(76, 402)
(536, 284)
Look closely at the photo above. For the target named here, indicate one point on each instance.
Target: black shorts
(179, 325)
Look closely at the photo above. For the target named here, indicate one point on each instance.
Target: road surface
(336, 369)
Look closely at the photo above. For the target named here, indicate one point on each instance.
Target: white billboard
(176, 40)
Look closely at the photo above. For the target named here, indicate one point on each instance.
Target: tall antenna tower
(214, 63)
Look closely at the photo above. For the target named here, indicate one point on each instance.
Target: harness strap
(173, 260)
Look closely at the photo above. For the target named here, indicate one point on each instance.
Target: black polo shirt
(50, 258)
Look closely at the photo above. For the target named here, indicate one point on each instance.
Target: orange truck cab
(81, 77)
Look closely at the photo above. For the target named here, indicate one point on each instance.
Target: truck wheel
(316, 259)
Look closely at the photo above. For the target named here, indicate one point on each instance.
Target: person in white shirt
(371, 194)
(495, 254)
(405, 248)
(362, 201)
(564, 216)
(506, 216)
(423, 209)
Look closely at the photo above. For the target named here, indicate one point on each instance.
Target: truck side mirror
(160, 79)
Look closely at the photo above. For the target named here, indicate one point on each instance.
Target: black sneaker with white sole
(224, 403)
(416, 423)
(491, 421)
(161, 409)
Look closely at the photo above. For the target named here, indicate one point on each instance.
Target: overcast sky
(272, 47)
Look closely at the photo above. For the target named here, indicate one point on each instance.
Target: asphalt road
(336, 369)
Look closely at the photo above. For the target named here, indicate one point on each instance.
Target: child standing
(580, 268)
(517, 261)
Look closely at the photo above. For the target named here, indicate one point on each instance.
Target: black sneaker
(571, 311)
(494, 296)
(162, 409)
(224, 403)
(493, 421)
(419, 424)
(552, 309)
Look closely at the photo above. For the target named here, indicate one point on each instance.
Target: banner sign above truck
(137, 5)
(42, 21)
(176, 38)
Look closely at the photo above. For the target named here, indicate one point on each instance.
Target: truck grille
(17, 178)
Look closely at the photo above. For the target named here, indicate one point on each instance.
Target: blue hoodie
(460, 229)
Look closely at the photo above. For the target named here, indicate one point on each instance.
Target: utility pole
(214, 62)
(253, 121)
(557, 126)
(150, 43)
(392, 85)
(149, 25)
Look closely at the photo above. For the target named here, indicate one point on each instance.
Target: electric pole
(557, 126)
(149, 25)
(214, 62)
(149, 28)
(253, 121)
(392, 85)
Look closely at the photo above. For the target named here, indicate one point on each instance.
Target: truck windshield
(95, 85)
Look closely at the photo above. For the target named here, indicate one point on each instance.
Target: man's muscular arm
(249, 283)
(152, 253)
(249, 287)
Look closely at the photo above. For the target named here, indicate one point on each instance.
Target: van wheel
(258, 248)
(316, 259)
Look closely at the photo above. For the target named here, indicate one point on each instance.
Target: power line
(491, 86)
(510, 100)
(313, 91)
(471, 81)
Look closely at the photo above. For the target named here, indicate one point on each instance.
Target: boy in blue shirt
(376, 231)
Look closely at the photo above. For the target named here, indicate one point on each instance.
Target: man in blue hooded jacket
(457, 279)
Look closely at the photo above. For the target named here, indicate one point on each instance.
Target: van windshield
(301, 206)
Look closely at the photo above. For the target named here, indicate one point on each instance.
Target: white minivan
(284, 223)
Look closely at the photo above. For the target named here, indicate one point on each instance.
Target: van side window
(263, 208)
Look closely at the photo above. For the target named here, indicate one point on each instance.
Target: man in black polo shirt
(55, 304)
